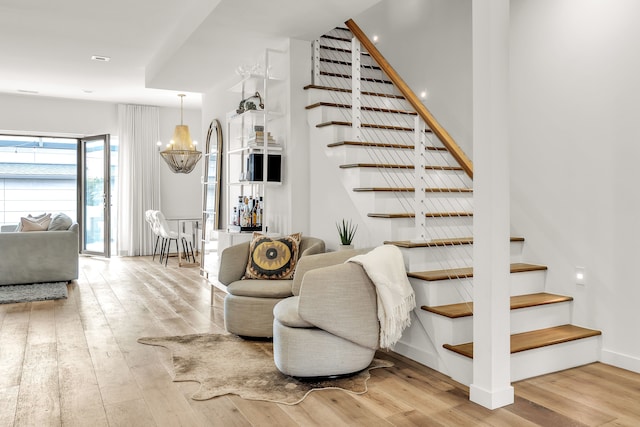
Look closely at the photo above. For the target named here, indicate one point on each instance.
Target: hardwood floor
(76, 362)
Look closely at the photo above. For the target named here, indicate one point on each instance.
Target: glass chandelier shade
(181, 155)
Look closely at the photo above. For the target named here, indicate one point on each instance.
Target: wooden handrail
(411, 97)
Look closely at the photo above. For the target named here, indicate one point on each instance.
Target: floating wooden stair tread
(338, 89)
(364, 79)
(394, 146)
(467, 272)
(368, 125)
(465, 309)
(534, 339)
(411, 189)
(397, 166)
(382, 110)
(407, 244)
(427, 215)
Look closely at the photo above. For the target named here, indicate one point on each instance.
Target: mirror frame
(215, 124)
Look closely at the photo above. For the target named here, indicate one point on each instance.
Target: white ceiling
(158, 48)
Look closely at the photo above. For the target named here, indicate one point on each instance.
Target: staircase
(377, 143)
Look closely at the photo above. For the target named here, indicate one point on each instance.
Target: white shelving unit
(241, 128)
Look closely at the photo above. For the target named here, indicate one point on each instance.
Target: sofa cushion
(286, 312)
(60, 221)
(35, 224)
(261, 288)
(272, 258)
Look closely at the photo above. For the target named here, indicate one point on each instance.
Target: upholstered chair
(330, 326)
(248, 305)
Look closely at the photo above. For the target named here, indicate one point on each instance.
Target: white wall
(428, 42)
(574, 149)
(180, 194)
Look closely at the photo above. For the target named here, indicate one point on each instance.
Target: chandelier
(180, 154)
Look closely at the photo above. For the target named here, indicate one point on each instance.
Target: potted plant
(346, 231)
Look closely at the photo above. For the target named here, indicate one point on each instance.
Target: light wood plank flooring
(76, 362)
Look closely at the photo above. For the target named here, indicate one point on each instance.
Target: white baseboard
(620, 360)
(491, 399)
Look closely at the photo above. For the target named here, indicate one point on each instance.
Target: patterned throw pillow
(273, 258)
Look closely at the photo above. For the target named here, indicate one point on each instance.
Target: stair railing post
(315, 59)
(420, 162)
(356, 90)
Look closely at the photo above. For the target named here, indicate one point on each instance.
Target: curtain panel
(139, 177)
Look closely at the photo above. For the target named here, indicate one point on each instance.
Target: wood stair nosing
(394, 146)
(534, 339)
(376, 109)
(411, 190)
(427, 215)
(465, 309)
(398, 166)
(369, 125)
(336, 61)
(364, 79)
(467, 272)
(365, 93)
(408, 244)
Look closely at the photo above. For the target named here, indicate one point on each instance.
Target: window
(37, 174)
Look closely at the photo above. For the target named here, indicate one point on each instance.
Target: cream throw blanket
(385, 267)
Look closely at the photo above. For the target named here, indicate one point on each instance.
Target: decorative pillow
(35, 224)
(60, 221)
(29, 216)
(273, 258)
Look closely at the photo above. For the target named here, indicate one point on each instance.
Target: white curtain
(139, 177)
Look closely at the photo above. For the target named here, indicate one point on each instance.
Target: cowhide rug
(224, 364)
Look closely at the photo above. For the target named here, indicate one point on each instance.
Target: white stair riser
(540, 317)
(365, 86)
(350, 154)
(430, 258)
(327, 53)
(404, 228)
(346, 133)
(344, 69)
(443, 292)
(319, 95)
(388, 201)
(328, 113)
(554, 358)
(384, 177)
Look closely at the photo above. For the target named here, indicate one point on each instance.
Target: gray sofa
(38, 256)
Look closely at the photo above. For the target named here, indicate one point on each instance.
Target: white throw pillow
(35, 224)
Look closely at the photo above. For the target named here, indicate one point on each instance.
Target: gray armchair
(248, 305)
(330, 327)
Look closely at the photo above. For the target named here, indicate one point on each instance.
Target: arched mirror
(211, 199)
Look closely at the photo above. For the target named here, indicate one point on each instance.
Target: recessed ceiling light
(101, 58)
(28, 91)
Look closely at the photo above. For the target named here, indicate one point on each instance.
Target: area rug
(224, 364)
(32, 292)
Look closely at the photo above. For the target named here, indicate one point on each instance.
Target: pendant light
(180, 154)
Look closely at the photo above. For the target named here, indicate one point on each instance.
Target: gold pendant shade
(181, 155)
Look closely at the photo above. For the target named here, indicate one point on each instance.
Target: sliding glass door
(94, 194)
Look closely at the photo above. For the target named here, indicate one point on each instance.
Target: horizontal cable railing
(401, 144)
